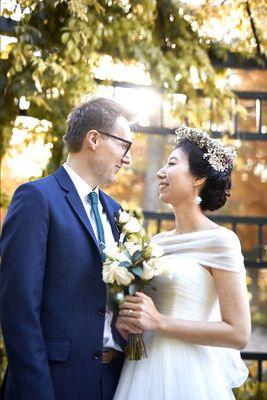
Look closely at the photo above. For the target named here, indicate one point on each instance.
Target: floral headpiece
(219, 156)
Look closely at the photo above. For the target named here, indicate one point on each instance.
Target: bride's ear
(199, 181)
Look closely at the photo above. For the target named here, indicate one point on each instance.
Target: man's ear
(198, 182)
(92, 139)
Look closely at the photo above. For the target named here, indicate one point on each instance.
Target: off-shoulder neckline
(173, 233)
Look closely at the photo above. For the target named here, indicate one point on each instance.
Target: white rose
(122, 237)
(132, 226)
(165, 267)
(156, 250)
(112, 252)
(123, 217)
(123, 256)
(155, 267)
(149, 270)
(112, 272)
(107, 271)
(123, 276)
(132, 247)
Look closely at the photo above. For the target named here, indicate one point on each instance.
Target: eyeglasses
(118, 138)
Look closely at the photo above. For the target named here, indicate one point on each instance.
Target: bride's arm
(233, 331)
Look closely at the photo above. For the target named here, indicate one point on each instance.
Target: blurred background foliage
(59, 47)
(173, 55)
(251, 390)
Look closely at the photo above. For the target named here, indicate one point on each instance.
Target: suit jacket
(52, 297)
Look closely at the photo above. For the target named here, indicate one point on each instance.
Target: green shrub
(251, 390)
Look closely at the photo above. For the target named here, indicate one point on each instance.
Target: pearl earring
(197, 199)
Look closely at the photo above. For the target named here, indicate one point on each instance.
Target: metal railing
(234, 222)
(256, 356)
(259, 97)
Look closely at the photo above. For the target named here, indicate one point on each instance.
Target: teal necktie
(93, 198)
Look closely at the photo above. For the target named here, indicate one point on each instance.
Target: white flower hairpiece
(219, 156)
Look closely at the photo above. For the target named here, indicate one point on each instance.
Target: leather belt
(108, 355)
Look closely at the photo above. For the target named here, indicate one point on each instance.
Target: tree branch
(253, 27)
(161, 25)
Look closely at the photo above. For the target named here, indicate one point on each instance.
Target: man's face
(113, 151)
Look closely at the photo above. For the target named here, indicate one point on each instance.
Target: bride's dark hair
(217, 186)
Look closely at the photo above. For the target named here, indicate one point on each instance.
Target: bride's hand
(125, 328)
(140, 311)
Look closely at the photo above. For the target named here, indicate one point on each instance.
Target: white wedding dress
(175, 369)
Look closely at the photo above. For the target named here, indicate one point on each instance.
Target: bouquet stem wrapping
(135, 348)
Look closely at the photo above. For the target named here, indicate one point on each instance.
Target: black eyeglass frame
(118, 138)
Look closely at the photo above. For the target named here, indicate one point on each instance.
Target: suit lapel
(110, 212)
(74, 200)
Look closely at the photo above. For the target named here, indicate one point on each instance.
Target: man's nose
(127, 158)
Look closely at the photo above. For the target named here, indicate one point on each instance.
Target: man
(57, 329)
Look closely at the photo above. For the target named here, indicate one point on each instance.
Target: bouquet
(129, 267)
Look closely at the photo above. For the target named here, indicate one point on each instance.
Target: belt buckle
(106, 356)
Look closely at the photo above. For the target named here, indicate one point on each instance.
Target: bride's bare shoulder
(164, 234)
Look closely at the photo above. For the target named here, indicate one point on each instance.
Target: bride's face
(175, 180)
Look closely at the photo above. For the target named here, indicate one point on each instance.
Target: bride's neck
(189, 219)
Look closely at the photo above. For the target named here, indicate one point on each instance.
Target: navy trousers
(110, 377)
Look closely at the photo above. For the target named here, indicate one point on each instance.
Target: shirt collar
(81, 186)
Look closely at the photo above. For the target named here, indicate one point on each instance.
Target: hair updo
(217, 186)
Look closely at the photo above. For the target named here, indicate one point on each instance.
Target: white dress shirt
(83, 190)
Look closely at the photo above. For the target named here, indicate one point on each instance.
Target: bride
(195, 323)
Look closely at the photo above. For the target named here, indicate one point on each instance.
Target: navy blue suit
(52, 297)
